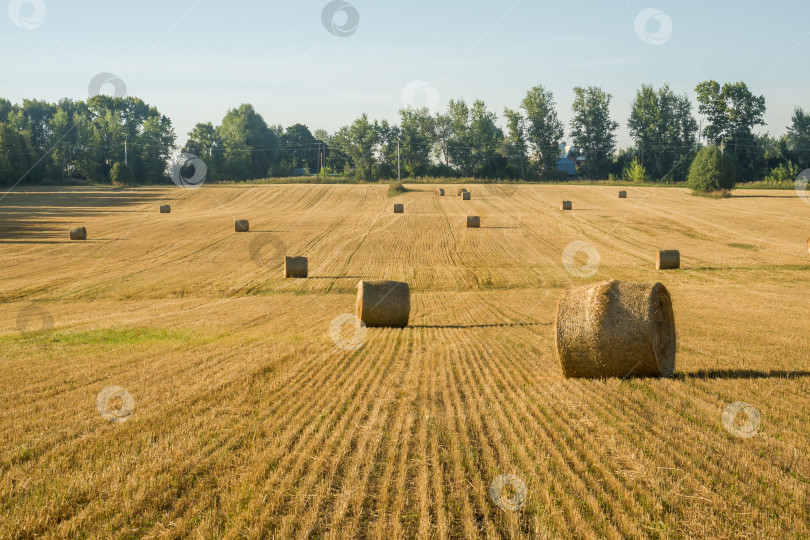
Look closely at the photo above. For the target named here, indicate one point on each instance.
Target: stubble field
(249, 419)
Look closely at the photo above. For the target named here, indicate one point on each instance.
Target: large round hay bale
(473, 222)
(461, 191)
(241, 225)
(165, 209)
(296, 267)
(566, 205)
(616, 329)
(399, 208)
(622, 194)
(383, 303)
(440, 192)
(78, 233)
(668, 259)
(466, 196)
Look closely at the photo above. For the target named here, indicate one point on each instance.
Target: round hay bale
(383, 303)
(296, 267)
(399, 208)
(808, 245)
(461, 191)
(566, 205)
(616, 329)
(466, 196)
(241, 225)
(78, 233)
(473, 222)
(668, 259)
(622, 194)
(440, 192)
(165, 209)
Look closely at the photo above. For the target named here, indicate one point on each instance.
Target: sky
(323, 63)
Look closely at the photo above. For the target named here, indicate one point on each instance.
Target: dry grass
(249, 421)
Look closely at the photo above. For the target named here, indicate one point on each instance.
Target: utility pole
(399, 172)
(126, 162)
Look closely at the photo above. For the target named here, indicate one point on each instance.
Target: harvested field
(237, 413)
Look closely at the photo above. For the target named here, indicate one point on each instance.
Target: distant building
(567, 165)
(569, 159)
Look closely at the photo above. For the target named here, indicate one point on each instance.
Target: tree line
(107, 139)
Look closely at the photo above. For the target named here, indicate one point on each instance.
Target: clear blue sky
(194, 59)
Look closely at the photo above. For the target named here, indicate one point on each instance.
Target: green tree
(545, 130)
(593, 131)
(358, 142)
(86, 160)
(299, 149)
(486, 139)
(472, 140)
(5, 109)
(154, 145)
(16, 155)
(109, 135)
(442, 136)
(711, 171)
(249, 147)
(417, 132)
(33, 118)
(459, 142)
(784, 173)
(515, 145)
(635, 172)
(732, 113)
(662, 125)
(386, 150)
(121, 174)
(204, 142)
(65, 143)
(798, 137)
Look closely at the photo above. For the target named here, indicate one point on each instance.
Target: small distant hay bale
(241, 225)
(473, 222)
(383, 303)
(466, 196)
(808, 245)
(566, 205)
(622, 194)
(165, 209)
(78, 233)
(296, 267)
(616, 329)
(399, 208)
(461, 191)
(668, 259)
(440, 192)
